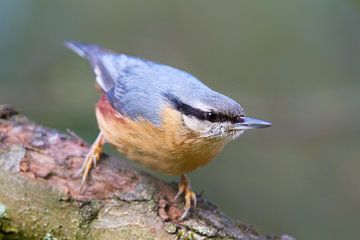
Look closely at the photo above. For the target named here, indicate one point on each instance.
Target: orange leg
(91, 158)
(189, 195)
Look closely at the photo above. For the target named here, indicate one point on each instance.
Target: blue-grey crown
(142, 88)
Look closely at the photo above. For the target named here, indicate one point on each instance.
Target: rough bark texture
(40, 199)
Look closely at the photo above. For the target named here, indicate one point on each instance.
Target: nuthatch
(164, 118)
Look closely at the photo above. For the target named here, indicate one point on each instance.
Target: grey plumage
(138, 87)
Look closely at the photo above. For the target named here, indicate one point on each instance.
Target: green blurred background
(295, 63)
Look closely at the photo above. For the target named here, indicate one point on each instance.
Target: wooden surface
(40, 199)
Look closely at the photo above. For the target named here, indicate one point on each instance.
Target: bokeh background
(295, 63)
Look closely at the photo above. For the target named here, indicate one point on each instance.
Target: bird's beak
(251, 123)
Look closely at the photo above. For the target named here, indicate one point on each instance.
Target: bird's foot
(91, 158)
(189, 195)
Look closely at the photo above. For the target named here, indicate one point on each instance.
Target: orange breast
(170, 148)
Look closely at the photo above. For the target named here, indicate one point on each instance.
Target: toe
(185, 214)
(193, 198)
(190, 200)
(180, 191)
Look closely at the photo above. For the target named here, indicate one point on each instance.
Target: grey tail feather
(78, 48)
(84, 50)
(93, 54)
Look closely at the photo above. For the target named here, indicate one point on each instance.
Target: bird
(159, 116)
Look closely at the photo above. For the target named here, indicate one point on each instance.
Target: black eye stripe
(185, 108)
(199, 114)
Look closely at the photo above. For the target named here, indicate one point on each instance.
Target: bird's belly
(164, 161)
(166, 151)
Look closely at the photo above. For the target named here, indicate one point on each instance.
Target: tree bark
(40, 197)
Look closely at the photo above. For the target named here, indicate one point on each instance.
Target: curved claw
(193, 197)
(185, 214)
(189, 195)
(190, 201)
(180, 191)
(91, 158)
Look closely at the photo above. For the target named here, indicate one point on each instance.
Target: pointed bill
(251, 123)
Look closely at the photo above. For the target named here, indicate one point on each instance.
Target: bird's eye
(210, 116)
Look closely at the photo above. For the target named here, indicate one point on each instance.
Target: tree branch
(39, 197)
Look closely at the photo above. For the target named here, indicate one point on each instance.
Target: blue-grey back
(138, 87)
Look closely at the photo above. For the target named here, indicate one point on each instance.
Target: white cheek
(207, 129)
(191, 123)
(196, 125)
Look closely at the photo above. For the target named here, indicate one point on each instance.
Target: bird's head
(213, 115)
